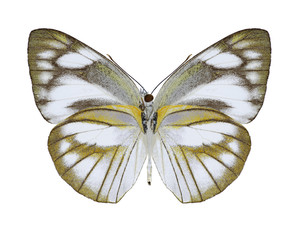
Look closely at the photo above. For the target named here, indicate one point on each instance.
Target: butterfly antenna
(172, 73)
(127, 74)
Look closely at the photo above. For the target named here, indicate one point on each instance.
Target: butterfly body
(107, 127)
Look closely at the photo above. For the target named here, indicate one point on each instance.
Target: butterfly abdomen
(144, 122)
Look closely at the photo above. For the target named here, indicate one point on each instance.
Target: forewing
(230, 76)
(99, 151)
(198, 151)
(68, 76)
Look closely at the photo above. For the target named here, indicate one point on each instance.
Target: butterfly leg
(149, 171)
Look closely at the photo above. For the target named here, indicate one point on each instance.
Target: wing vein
(227, 135)
(172, 166)
(218, 160)
(71, 135)
(180, 167)
(66, 152)
(116, 172)
(75, 97)
(80, 160)
(243, 160)
(211, 176)
(57, 39)
(128, 159)
(189, 168)
(163, 160)
(93, 167)
(106, 174)
(221, 97)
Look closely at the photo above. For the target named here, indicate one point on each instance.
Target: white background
(149, 39)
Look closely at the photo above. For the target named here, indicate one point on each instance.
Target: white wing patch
(45, 77)
(56, 44)
(69, 90)
(252, 54)
(110, 136)
(225, 60)
(253, 77)
(209, 53)
(44, 65)
(240, 101)
(48, 54)
(253, 65)
(70, 159)
(73, 60)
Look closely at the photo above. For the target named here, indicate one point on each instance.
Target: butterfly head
(148, 104)
(148, 98)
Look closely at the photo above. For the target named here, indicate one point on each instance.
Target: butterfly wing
(68, 76)
(198, 151)
(100, 151)
(98, 146)
(230, 76)
(199, 146)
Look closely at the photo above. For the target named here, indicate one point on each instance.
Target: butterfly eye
(148, 98)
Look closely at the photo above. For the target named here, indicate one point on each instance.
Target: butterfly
(107, 127)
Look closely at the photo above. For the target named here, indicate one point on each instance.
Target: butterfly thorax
(146, 107)
(147, 115)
